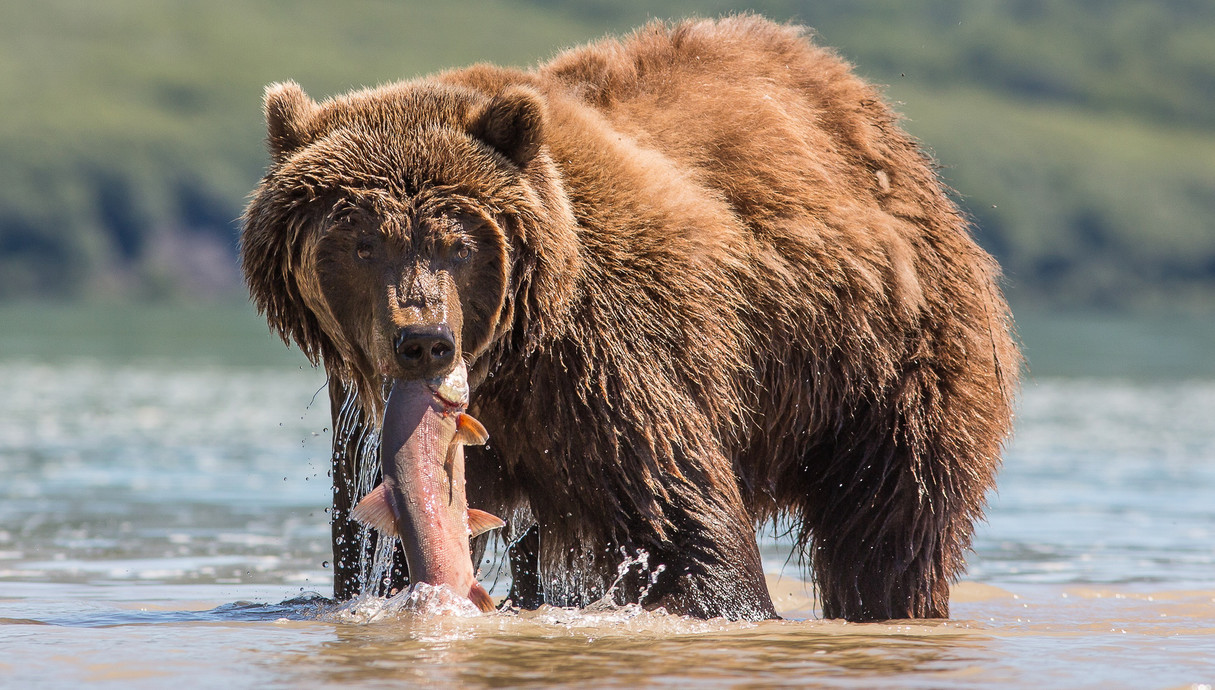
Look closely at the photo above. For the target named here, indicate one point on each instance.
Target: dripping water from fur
(374, 564)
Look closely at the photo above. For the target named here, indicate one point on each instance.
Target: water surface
(163, 521)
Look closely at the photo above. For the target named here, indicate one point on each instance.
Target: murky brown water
(162, 522)
(1052, 637)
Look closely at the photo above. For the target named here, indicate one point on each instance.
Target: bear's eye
(463, 252)
(364, 251)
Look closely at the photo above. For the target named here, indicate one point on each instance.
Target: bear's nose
(425, 352)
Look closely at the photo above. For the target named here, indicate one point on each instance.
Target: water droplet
(324, 564)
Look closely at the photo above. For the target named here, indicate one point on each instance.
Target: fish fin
(375, 510)
(469, 431)
(480, 522)
(481, 598)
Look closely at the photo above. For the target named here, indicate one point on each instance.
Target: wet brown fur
(714, 284)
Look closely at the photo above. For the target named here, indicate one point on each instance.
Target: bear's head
(402, 230)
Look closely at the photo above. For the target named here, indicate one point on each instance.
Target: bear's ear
(289, 113)
(512, 123)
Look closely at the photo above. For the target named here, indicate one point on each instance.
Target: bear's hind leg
(886, 520)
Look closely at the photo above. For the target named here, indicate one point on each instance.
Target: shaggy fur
(712, 283)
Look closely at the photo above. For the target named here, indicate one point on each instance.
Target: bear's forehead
(400, 139)
(401, 107)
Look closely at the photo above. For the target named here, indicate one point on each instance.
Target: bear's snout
(425, 351)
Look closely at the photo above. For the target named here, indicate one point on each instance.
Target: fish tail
(481, 598)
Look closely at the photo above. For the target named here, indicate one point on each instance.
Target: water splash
(580, 582)
(639, 560)
(611, 616)
(421, 600)
(628, 620)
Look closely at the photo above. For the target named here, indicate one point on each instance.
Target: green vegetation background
(1079, 135)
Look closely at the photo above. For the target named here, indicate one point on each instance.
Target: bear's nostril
(440, 350)
(412, 351)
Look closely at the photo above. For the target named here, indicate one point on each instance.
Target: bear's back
(775, 123)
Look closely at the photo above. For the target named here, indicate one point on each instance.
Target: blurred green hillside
(1080, 135)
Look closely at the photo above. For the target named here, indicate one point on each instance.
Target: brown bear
(699, 280)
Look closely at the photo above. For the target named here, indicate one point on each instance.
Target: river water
(163, 521)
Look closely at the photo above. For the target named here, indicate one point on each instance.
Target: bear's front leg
(524, 554)
(704, 562)
(712, 566)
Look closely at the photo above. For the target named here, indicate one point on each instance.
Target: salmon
(421, 499)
